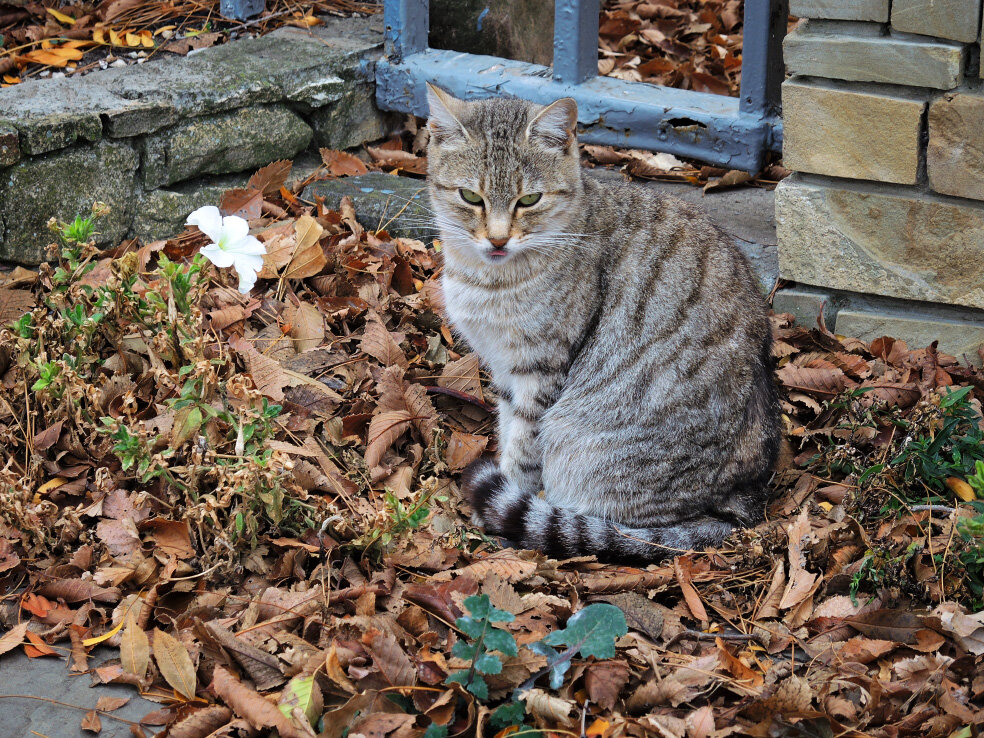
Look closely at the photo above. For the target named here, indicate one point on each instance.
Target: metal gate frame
(727, 131)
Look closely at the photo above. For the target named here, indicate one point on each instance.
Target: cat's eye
(531, 199)
(471, 197)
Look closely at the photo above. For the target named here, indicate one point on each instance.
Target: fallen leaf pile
(301, 569)
(76, 37)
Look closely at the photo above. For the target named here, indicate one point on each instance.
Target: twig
(50, 701)
(463, 396)
(699, 635)
(933, 509)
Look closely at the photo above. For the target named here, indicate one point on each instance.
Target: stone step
(911, 61)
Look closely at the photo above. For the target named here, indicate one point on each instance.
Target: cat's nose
(498, 242)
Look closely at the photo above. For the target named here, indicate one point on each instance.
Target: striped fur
(625, 334)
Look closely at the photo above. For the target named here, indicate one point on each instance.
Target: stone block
(218, 144)
(351, 120)
(138, 117)
(955, 155)
(400, 203)
(9, 145)
(806, 304)
(850, 133)
(954, 19)
(864, 58)
(852, 10)
(62, 185)
(882, 241)
(162, 213)
(959, 338)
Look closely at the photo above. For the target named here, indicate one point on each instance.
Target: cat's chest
(498, 323)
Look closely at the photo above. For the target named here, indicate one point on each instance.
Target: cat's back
(658, 243)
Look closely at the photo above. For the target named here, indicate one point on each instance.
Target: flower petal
(247, 278)
(235, 229)
(209, 221)
(250, 246)
(253, 262)
(217, 256)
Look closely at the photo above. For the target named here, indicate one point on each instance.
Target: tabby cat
(625, 335)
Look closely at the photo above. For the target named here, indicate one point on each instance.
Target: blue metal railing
(732, 132)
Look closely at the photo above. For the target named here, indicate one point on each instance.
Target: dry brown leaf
(200, 723)
(681, 566)
(134, 647)
(379, 344)
(91, 722)
(342, 164)
(308, 258)
(259, 712)
(271, 178)
(13, 304)
(268, 375)
(700, 723)
(13, 637)
(548, 707)
(175, 664)
(463, 375)
(463, 449)
(307, 327)
(802, 583)
(384, 430)
(605, 680)
(390, 659)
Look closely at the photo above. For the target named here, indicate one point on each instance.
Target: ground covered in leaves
(254, 498)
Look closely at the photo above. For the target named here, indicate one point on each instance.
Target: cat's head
(505, 175)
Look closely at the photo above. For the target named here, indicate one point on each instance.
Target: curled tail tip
(479, 481)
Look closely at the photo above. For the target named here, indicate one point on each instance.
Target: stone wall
(157, 140)
(883, 123)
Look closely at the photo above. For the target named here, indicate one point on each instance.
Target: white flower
(231, 246)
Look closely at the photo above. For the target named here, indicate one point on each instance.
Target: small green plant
(590, 632)
(486, 638)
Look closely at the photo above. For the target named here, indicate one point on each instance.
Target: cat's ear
(555, 125)
(442, 119)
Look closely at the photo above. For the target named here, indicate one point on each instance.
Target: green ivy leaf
(469, 626)
(488, 663)
(592, 631)
(464, 650)
(500, 640)
(507, 715)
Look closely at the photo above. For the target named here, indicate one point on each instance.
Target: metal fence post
(761, 68)
(406, 23)
(575, 56)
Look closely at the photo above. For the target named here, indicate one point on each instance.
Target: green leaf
(464, 650)
(488, 663)
(507, 715)
(478, 606)
(300, 692)
(500, 640)
(592, 631)
(469, 626)
(436, 731)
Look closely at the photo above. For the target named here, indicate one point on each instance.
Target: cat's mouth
(496, 254)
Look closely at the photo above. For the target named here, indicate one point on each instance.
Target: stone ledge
(231, 108)
(959, 330)
(914, 62)
(855, 10)
(880, 240)
(959, 338)
(958, 20)
(852, 132)
(64, 184)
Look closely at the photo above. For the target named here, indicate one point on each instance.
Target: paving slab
(49, 678)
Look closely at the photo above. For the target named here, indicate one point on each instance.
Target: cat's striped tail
(528, 521)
